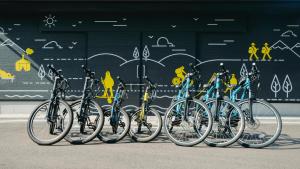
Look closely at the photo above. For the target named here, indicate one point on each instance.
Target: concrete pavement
(17, 151)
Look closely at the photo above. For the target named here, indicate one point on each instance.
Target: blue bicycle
(228, 119)
(187, 121)
(263, 121)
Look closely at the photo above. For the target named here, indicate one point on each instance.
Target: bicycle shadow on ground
(285, 142)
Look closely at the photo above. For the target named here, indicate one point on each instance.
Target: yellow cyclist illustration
(252, 51)
(6, 76)
(108, 83)
(266, 51)
(180, 74)
(233, 82)
(23, 63)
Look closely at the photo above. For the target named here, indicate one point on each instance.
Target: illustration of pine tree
(243, 71)
(136, 54)
(275, 85)
(41, 72)
(50, 74)
(287, 85)
(146, 52)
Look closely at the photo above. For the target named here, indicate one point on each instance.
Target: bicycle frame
(147, 99)
(115, 114)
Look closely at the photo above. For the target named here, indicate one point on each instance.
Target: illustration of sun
(50, 21)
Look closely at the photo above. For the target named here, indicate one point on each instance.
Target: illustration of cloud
(52, 45)
(288, 34)
(2, 30)
(163, 42)
(7, 42)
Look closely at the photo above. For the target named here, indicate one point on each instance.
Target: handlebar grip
(120, 80)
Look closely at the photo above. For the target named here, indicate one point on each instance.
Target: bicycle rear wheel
(187, 122)
(114, 133)
(82, 133)
(147, 129)
(265, 127)
(228, 123)
(44, 132)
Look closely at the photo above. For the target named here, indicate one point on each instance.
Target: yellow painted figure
(5, 75)
(266, 51)
(233, 83)
(23, 63)
(108, 84)
(252, 51)
(180, 73)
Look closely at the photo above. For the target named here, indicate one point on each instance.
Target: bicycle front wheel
(43, 131)
(264, 128)
(86, 130)
(112, 133)
(146, 129)
(228, 123)
(187, 122)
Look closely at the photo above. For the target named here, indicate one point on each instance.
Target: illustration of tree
(41, 72)
(243, 71)
(287, 85)
(136, 54)
(275, 85)
(146, 52)
(50, 74)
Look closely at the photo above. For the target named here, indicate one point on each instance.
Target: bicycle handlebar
(121, 81)
(152, 85)
(56, 72)
(88, 72)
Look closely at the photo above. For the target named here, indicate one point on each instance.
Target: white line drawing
(228, 40)
(219, 60)
(243, 71)
(7, 42)
(173, 26)
(150, 36)
(178, 50)
(275, 85)
(111, 54)
(196, 19)
(71, 47)
(41, 72)
(74, 43)
(137, 71)
(129, 106)
(23, 96)
(17, 24)
(224, 20)
(164, 96)
(144, 71)
(156, 106)
(282, 46)
(124, 19)
(163, 42)
(10, 29)
(136, 53)
(73, 96)
(74, 25)
(212, 24)
(50, 21)
(292, 25)
(287, 86)
(18, 39)
(288, 33)
(24, 91)
(146, 53)
(79, 22)
(52, 45)
(216, 44)
(40, 40)
(177, 54)
(123, 25)
(105, 21)
(276, 30)
(50, 74)
(2, 31)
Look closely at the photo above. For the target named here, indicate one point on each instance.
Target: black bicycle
(117, 121)
(88, 115)
(51, 121)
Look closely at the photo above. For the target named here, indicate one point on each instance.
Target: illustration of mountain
(284, 47)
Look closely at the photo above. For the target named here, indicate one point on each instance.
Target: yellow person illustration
(23, 63)
(180, 73)
(233, 82)
(266, 51)
(108, 83)
(252, 51)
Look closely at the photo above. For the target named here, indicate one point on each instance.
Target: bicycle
(228, 119)
(51, 121)
(146, 122)
(117, 124)
(88, 115)
(188, 120)
(256, 134)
